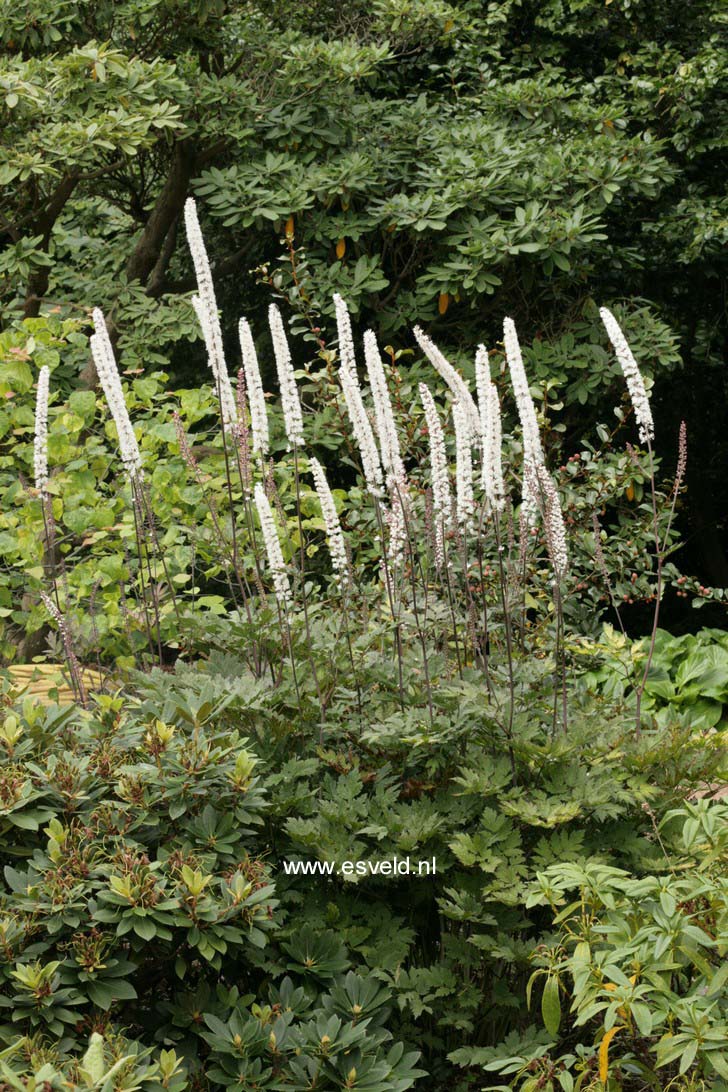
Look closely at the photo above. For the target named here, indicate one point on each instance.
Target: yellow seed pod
(629, 494)
(290, 225)
(443, 302)
(341, 249)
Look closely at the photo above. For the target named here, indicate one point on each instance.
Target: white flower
(40, 445)
(464, 501)
(363, 432)
(441, 501)
(396, 518)
(334, 534)
(454, 380)
(254, 386)
(553, 520)
(532, 450)
(108, 374)
(632, 374)
(277, 565)
(228, 406)
(490, 427)
(383, 414)
(205, 305)
(290, 402)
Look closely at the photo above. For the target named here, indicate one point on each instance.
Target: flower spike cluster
(40, 444)
(290, 402)
(454, 380)
(491, 429)
(334, 534)
(205, 305)
(281, 584)
(254, 385)
(632, 374)
(363, 432)
(108, 374)
(532, 450)
(441, 500)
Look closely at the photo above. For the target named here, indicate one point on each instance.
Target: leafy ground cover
(145, 900)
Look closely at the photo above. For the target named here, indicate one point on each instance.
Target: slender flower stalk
(464, 499)
(441, 499)
(632, 374)
(491, 433)
(454, 380)
(218, 367)
(256, 395)
(277, 565)
(396, 475)
(363, 432)
(383, 414)
(532, 450)
(205, 305)
(108, 374)
(73, 665)
(40, 466)
(290, 402)
(40, 444)
(553, 520)
(243, 436)
(334, 533)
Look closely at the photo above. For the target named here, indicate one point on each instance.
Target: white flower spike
(40, 445)
(632, 374)
(291, 404)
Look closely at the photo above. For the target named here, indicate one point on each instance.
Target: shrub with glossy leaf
(133, 899)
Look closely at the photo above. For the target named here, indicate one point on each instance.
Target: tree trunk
(167, 208)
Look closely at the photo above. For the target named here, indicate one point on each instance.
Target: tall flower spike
(40, 444)
(632, 374)
(464, 501)
(383, 414)
(290, 402)
(207, 307)
(334, 534)
(490, 427)
(532, 450)
(108, 373)
(281, 584)
(454, 380)
(254, 384)
(441, 500)
(553, 520)
(363, 432)
(396, 519)
(228, 406)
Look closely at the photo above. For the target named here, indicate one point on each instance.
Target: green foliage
(145, 898)
(641, 962)
(688, 677)
(135, 899)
